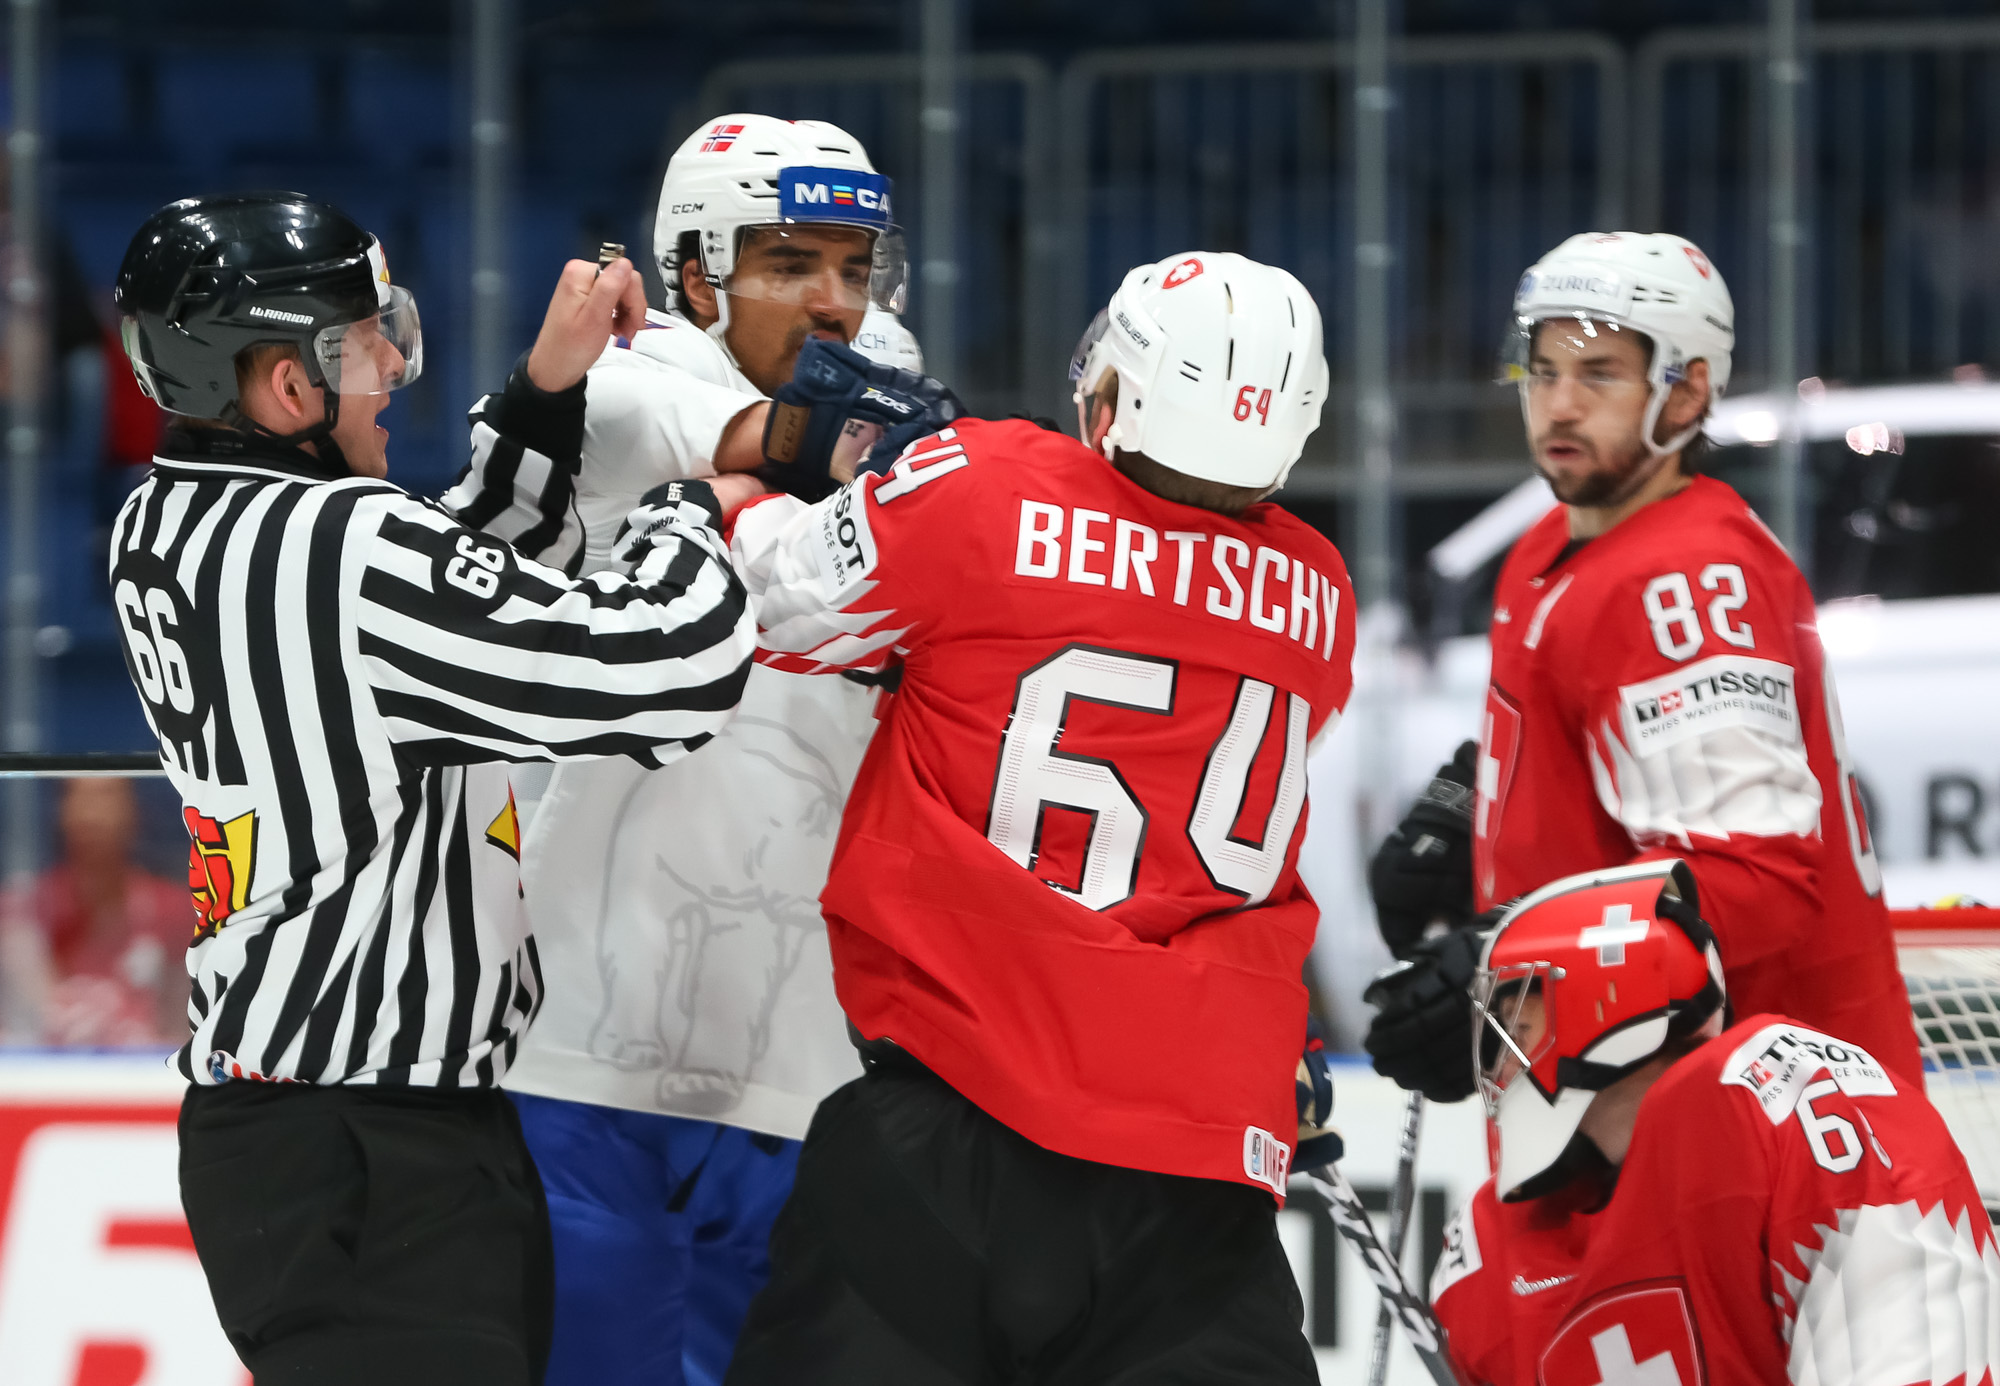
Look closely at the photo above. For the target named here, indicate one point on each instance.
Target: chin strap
(1650, 424)
(320, 435)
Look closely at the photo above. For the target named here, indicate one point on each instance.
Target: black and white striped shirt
(338, 674)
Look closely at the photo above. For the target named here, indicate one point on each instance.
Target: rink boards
(99, 1285)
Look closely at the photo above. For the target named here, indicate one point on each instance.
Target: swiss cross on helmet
(1657, 285)
(1221, 373)
(1583, 982)
(205, 278)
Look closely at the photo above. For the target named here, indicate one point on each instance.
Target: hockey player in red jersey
(1066, 921)
(1658, 687)
(1679, 1203)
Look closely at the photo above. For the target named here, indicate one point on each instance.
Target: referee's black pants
(369, 1236)
(926, 1244)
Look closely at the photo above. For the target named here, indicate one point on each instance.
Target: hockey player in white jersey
(690, 1026)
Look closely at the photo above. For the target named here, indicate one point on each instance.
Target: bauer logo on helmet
(1187, 269)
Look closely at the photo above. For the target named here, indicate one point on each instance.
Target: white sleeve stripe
(1891, 1297)
(1723, 782)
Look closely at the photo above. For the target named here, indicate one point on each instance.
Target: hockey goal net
(1951, 964)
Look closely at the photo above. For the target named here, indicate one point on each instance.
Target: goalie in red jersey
(1677, 1203)
(1658, 689)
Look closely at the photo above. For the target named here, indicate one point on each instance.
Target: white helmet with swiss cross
(1659, 285)
(1221, 375)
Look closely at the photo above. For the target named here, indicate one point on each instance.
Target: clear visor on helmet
(376, 354)
(1513, 1024)
(1576, 331)
(846, 269)
(1092, 335)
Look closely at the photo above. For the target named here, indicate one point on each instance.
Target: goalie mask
(1659, 286)
(1583, 982)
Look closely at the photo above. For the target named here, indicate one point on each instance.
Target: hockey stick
(1350, 1219)
(1402, 1197)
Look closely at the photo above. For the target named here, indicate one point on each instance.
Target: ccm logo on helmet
(302, 319)
(681, 209)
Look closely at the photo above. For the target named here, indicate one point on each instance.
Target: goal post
(1951, 965)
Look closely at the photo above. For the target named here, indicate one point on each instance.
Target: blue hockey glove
(1319, 1144)
(835, 389)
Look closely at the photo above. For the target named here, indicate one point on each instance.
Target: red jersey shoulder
(1760, 1074)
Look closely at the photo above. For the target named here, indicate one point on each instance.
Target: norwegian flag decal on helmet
(720, 137)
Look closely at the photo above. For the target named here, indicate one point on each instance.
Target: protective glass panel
(375, 355)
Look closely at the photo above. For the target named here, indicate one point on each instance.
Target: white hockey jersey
(677, 911)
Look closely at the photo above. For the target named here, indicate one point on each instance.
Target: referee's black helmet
(207, 277)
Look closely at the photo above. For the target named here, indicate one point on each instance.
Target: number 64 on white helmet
(1221, 374)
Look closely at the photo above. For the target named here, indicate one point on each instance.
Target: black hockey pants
(926, 1244)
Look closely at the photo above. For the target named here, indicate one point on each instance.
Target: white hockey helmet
(1221, 375)
(739, 171)
(1651, 283)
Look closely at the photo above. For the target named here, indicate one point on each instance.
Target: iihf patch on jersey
(1266, 1159)
(846, 545)
(1779, 1062)
(1724, 691)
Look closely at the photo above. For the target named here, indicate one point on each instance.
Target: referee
(338, 674)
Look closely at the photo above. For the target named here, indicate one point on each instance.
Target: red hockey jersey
(1788, 1211)
(1660, 691)
(1066, 878)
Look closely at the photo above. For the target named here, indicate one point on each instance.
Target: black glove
(672, 507)
(831, 387)
(1422, 872)
(1421, 1037)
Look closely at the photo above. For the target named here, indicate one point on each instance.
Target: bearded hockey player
(690, 1025)
(1676, 1202)
(1658, 687)
(1066, 919)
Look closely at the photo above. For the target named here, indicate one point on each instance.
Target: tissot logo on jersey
(1274, 591)
(1724, 691)
(846, 547)
(1778, 1062)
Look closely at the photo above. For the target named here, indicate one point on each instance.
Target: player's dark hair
(1695, 455)
(1164, 481)
(687, 251)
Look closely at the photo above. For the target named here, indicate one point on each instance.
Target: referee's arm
(476, 654)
